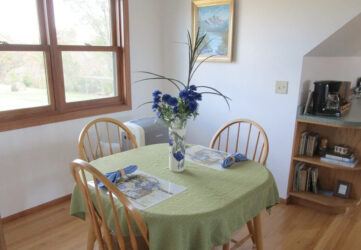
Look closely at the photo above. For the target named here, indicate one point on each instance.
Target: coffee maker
(326, 98)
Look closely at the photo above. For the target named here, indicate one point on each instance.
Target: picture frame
(343, 189)
(215, 18)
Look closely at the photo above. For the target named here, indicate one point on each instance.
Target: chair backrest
(83, 174)
(102, 137)
(247, 137)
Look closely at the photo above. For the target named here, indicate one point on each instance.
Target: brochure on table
(206, 157)
(145, 190)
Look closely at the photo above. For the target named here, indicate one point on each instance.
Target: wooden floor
(288, 227)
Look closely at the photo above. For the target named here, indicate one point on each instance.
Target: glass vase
(177, 150)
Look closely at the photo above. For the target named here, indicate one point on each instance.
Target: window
(62, 59)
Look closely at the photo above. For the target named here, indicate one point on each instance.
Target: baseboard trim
(36, 208)
(284, 201)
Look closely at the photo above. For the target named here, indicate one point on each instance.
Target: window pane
(83, 22)
(89, 75)
(23, 81)
(19, 22)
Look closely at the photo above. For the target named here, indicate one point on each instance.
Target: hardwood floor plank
(51, 228)
(287, 227)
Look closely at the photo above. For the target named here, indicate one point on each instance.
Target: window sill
(52, 117)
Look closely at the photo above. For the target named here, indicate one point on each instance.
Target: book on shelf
(340, 163)
(314, 178)
(308, 143)
(303, 143)
(338, 157)
(307, 189)
(312, 143)
(296, 175)
(325, 192)
(305, 179)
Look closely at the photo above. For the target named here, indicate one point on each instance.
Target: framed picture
(214, 18)
(343, 189)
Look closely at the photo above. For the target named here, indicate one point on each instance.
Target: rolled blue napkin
(232, 158)
(114, 176)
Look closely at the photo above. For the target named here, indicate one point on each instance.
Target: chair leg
(225, 246)
(251, 231)
(91, 239)
(258, 231)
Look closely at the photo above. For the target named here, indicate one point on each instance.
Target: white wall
(328, 68)
(34, 161)
(270, 40)
(344, 42)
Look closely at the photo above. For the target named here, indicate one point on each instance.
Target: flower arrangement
(174, 111)
(171, 109)
(178, 109)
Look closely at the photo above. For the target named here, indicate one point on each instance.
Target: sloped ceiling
(345, 42)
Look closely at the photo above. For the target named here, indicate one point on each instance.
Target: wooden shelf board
(317, 161)
(329, 201)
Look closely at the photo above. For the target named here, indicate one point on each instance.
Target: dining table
(212, 207)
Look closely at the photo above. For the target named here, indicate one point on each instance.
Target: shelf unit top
(351, 119)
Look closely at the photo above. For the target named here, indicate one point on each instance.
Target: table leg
(91, 239)
(251, 231)
(225, 246)
(258, 231)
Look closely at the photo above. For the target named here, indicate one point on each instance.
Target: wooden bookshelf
(345, 130)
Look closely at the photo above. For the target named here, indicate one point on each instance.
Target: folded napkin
(232, 158)
(114, 176)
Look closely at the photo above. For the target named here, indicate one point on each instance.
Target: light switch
(281, 87)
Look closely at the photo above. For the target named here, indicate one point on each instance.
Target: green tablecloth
(214, 205)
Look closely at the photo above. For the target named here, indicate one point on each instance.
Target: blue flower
(190, 94)
(178, 156)
(192, 105)
(154, 106)
(198, 97)
(175, 110)
(157, 93)
(156, 99)
(172, 101)
(170, 141)
(193, 88)
(183, 94)
(165, 98)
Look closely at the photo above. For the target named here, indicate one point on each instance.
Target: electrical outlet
(281, 87)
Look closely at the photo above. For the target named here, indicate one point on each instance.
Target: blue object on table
(114, 176)
(232, 158)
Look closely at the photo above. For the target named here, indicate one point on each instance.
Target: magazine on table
(206, 157)
(144, 190)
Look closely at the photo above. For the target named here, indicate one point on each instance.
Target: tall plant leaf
(144, 104)
(158, 78)
(163, 77)
(194, 70)
(224, 97)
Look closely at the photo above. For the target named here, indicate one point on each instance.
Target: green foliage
(27, 80)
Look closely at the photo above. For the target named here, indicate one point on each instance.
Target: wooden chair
(80, 170)
(95, 142)
(253, 142)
